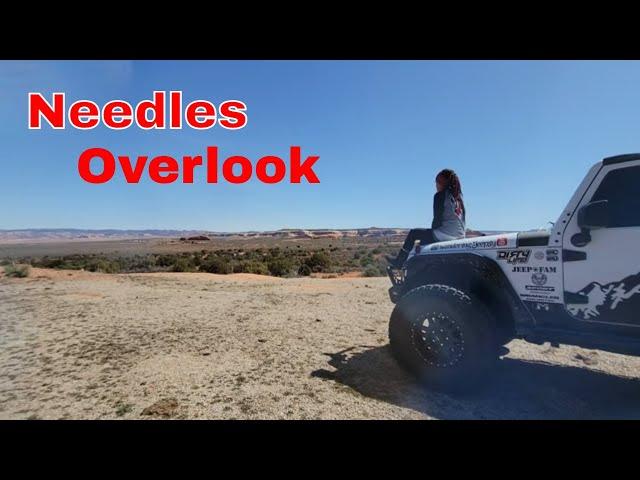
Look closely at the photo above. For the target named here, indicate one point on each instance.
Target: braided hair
(452, 182)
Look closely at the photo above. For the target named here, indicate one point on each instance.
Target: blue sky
(521, 135)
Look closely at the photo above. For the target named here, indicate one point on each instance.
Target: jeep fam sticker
(532, 274)
(542, 269)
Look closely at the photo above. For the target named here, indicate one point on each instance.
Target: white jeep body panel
(534, 272)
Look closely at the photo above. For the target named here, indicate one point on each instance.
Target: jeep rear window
(621, 188)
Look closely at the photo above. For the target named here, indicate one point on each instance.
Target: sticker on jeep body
(514, 256)
(541, 297)
(534, 273)
(540, 269)
(481, 244)
(475, 243)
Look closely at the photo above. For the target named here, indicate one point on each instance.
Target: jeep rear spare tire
(444, 337)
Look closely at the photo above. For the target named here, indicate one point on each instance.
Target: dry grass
(16, 271)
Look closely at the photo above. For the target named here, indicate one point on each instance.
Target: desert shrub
(102, 266)
(304, 270)
(145, 263)
(51, 262)
(216, 265)
(17, 271)
(280, 267)
(318, 262)
(166, 260)
(251, 266)
(373, 271)
(285, 260)
(76, 262)
(366, 261)
(114, 267)
(183, 265)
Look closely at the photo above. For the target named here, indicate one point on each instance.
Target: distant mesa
(71, 234)
(197, 238)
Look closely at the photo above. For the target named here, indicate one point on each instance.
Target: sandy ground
(82, 345)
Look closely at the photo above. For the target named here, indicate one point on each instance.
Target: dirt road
(81, 345)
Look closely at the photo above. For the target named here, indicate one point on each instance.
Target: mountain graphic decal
(617, 302)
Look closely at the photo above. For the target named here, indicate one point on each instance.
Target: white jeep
(459, 302)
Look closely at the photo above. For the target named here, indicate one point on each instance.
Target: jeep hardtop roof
(627, 157)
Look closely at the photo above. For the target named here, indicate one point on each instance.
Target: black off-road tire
(445, 337)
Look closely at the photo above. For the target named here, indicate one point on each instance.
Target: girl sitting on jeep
(448, 217)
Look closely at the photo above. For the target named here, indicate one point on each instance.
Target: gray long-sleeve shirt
(448, 217)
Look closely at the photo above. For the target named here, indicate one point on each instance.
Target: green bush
(287, 260)
(373, 271)
(183, 265)
(17, 271)
(145, 263)
(366, 261)
(304, 270)
(318, 262)
(216, 265)
(51, 263)
(166, 260)
(251, 266)
(99, 266)
(280, 267)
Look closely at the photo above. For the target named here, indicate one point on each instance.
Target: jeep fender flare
(479, 276)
